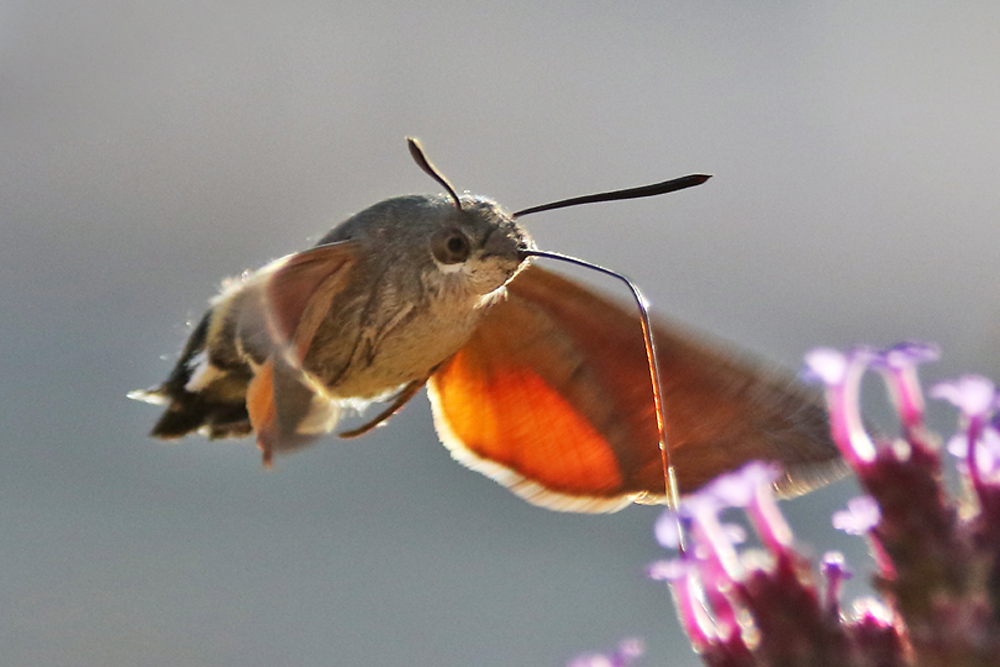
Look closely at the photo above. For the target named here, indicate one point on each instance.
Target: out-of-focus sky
(147, 150)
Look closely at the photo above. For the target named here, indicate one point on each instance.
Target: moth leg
(402, 398)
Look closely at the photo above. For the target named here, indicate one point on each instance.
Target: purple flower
(750, 488)
(694, 617)
(899, 368)
(987, 453)
(713, 540)
(627, 652)
(977, 399)
(834, 567)
(862, 514)
(841, 373)
(974, 395)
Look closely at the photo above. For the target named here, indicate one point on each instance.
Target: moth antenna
(671, 489)
(417, 152)
(653, 190)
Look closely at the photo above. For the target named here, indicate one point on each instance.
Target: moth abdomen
(206, 390)
(190, 412)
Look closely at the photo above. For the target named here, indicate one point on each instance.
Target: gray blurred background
(147, 150)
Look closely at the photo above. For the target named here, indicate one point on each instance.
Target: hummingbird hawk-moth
(534, 380)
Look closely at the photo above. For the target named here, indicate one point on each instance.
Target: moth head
(476, 248)
(479, 242)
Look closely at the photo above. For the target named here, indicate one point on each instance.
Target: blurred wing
(552, 398)
(301, 291)
(287, 407)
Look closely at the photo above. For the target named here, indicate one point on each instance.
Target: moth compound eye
(450, 246)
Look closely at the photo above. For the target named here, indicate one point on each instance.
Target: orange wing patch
(521, 403)
(552, 398)
(503, 412)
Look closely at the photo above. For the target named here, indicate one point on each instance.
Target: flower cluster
(937, 557)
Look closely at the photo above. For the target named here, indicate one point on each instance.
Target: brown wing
(301, 291)
(287, 408)
(552, 398)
